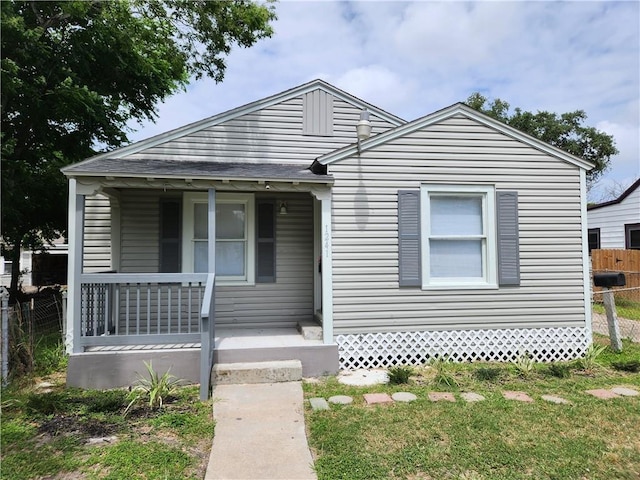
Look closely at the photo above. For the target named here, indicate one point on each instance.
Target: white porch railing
(207, 342)
(140, 309)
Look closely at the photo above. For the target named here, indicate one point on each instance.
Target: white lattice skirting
(372, 350)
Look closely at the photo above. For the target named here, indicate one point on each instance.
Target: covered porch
(165, 300)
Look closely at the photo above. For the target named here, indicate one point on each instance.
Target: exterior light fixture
(284, 209)
(364, 126)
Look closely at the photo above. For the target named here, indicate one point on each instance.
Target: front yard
(490, 439)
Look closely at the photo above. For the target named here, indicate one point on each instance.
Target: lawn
(624, 308)
(492, 439)
(53, 432)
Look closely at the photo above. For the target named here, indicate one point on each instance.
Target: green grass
(493, 439)
(624, 308)
(45, 434)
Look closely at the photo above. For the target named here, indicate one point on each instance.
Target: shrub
(524, 364)
(590, 359)
(400, 374)
(153, 390)
(442, 366)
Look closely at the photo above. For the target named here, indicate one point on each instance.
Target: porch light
(284, 209)
(364, 126)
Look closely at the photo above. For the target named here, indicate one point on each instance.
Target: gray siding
(97, 234)
(283, 303)
(273, 134)
(457, 151)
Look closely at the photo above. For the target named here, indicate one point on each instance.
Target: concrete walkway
(259, 433)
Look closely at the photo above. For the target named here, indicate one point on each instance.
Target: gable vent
(317, 113)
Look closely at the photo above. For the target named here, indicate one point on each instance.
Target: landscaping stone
(403, 397)
(555, 399)
(374, 398)
(441, 396)
(625, 392)
(471, 397)
(102, 440)
(603, 394)
(318, 403)
(518, 396)
(363, 378)
(341, 399)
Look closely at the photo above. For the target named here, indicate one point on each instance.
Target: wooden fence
(625, 261)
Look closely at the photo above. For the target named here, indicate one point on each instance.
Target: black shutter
(170, 235)
(265, 241)
(508, 239)
(409, 263)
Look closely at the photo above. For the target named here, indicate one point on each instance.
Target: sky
(413, 58)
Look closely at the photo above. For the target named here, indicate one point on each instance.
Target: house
(616, 224)
(453, 234)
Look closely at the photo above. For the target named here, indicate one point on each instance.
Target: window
(594, 239)
(474, 226)
(632, 236)
(235, 234)
(458, 227)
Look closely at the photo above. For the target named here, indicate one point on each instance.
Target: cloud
(412, 58)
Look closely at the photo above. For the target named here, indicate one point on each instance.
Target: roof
(440, 115)
(145, 168)
(237, 112)
(624, 195)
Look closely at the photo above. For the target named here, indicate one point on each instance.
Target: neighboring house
(38, 268)
(616, 224)
(453, 234)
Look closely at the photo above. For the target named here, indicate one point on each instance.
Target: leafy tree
(75, 72)
(566, 131)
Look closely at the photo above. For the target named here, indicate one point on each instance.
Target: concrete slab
(441, 397)
(518, 396)
(318, 403)
(471, 397)
(625, 392)
(259, 433)
(363, 378)
(603, 394)
(257, 372)
(404, 397)
(375, 398)
(341, 400)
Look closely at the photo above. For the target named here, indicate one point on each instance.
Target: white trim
(386, 349)
(489, 248)
(327, 265)
(586, 260)
(75, 241)
(444, 114)
(192, 198)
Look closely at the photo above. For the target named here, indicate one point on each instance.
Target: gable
(295, 126)
(438, 121)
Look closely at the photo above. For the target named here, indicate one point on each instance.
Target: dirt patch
(71, 425)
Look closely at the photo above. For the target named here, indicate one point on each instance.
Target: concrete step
(257, 372)
(310, 330)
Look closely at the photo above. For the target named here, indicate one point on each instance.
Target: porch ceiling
(201, 170)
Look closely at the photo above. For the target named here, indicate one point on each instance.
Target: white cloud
(412, 58)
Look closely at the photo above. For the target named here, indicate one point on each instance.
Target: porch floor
(229, 339)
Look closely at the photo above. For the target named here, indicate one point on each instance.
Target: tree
(566, 131)
(75, 72)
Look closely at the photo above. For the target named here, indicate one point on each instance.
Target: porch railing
(207, 334)
(140, 309)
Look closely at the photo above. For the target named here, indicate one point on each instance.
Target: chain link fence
(627, 310)
(24, 325)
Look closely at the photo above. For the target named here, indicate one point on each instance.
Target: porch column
(327, 265)
(75, 232)
(211, 219)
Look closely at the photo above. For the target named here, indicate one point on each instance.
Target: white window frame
(489, 245)
(247, 199)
